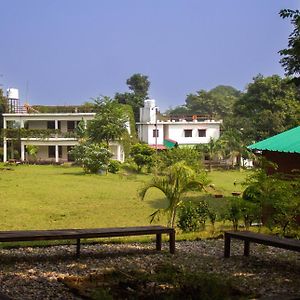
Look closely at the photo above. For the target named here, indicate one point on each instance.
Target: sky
(63, 52)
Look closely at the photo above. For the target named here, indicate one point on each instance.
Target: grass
(52, 197)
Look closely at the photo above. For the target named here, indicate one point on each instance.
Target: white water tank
(149, 103)
(13, 93)
(148, 112)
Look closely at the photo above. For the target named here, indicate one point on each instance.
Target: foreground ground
(40, 273)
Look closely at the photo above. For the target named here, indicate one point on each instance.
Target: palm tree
(178, 180)
(213, 149)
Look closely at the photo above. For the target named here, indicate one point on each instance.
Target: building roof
(287, 141)
(158, 147)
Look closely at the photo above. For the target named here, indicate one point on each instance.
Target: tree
(179, 180)
(139, 84)
(109, 123)
(232, 144)
(270, 105)
(133, 100)
(3, 107)
(142, 155)
(32, 150)
(291, 56)
(218, 101)
(213, 149)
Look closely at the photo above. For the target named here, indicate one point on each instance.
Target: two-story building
(184, 131)
(58, 138)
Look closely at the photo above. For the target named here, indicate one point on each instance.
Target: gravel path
(35, 273)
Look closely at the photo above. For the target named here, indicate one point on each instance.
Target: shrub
(114, 166)
(203, 212)
(275, 200)
(188, 218)
(212, 215)
(234, 212)
(142, 155)
(93, 157)
(190, 156)
(193, 217)
(250, 212)
(129, 166)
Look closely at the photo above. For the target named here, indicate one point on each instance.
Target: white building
(54, 134)
(187, 131)
(52, 147)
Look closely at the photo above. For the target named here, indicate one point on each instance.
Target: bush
(142, 155)
(190, 156)
(188, 218)
(273, 200)
(129, 166)
(234, 212)
(114, 166)
(203, 212)
(93, 157)
(193, 217)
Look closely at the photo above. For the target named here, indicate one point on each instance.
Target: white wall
(176, 132)
(145, 133)
(37, 124)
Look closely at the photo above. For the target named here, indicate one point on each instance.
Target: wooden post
(246, 248)
(172, 241)
(227, 240)
(77, 247)
(158, 241)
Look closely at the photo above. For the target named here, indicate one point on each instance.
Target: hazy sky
(64, 52)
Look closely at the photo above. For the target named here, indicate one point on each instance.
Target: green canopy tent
(282, 149)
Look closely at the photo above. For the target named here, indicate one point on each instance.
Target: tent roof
(287, 141)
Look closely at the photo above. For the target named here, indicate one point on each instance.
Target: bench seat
(67, 234)
(252, 237)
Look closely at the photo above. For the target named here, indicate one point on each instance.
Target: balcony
(42, 134)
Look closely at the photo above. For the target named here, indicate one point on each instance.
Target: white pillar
(85, 123)
(21, 123)
(56, 154)
(4, 142)
(56, 124)
(4, 150)
(119, 152)
(22, 152)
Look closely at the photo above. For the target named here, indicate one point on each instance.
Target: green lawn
(49, 197)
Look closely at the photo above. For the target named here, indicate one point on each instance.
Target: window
(71, 125)
(51, 125)
(201, 132)
(155, 133)
(188, 133)
(51, 151)
(70, 155)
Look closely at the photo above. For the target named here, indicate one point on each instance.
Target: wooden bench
(77, 234)
(251, 237)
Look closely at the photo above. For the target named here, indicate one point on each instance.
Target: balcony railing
(20, 133)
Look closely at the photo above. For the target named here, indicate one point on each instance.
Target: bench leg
(172, 242)
(246, 248)
(227, 241)
(158, 241)
(77, 247)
